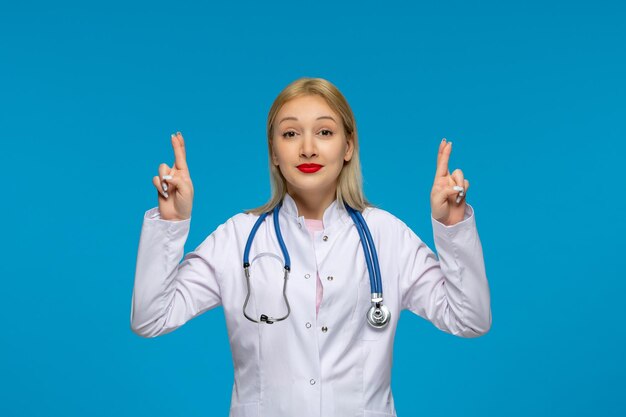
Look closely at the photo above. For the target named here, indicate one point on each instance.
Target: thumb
(447, 192)
(455, 189)
(175, 181)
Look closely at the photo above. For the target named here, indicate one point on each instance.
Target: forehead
(308, 107)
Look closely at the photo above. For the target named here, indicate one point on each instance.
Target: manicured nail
(164, 185)
(457, 188)
(165, 194)
(458, 199)
(166, 177)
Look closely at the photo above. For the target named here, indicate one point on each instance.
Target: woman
(306, 348)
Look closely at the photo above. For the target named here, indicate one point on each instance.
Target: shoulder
(228, 233)
(242, 218)
(240, 221)
(378, 218)
(233, 226)
(386, 223)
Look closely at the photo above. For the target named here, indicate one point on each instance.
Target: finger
(457, 176)
(466, 186)
(442, 162)
(157, 183)
(179, 151)
(444, 195)
(442, 144)
(453, 191)
(174, 181)
(463, 193)
(459, 180)
(164, 170)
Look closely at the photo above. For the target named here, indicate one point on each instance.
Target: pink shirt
(315, 226)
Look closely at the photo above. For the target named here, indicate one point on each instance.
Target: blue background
(532, 96)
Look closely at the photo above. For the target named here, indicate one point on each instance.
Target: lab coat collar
(333, 215)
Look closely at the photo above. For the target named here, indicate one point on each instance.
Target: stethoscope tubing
(256, 226)
(369, 249)
(378, 315)
(279, 235)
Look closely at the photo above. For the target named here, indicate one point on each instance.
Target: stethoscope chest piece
(378, 315)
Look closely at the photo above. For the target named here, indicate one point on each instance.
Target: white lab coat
(335, 364)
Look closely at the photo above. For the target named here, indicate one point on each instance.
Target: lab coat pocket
(245, 410)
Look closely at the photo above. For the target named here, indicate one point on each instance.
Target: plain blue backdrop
(532, 96)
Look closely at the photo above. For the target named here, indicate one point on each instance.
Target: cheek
(338, 153)
(277, 153)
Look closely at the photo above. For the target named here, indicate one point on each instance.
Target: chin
(312, 184)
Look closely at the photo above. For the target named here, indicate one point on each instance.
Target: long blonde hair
(350, 180)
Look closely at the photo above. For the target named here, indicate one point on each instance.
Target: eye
(330, 133)
(289, 134)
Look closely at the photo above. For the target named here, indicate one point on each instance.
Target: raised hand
(175, 189)
(447, 198)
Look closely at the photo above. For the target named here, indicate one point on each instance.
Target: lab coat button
(330, 278)
(325, 238)
(308, 325)
(307, 276)
(324, 329)
(312, 382)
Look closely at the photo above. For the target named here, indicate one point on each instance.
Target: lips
(309, 168)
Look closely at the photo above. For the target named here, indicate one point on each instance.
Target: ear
(350, 149)
(274, 157)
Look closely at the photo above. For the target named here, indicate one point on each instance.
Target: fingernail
(165, 194)
(458, 199)
(167, 177)
(164, 185)
(457, 188)
(462, 193)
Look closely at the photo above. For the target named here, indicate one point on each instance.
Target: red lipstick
(309, 168)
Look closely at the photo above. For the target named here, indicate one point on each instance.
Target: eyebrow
(296, 119)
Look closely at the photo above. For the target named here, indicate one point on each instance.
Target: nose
(308, 149)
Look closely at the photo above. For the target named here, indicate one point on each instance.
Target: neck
(312, 205)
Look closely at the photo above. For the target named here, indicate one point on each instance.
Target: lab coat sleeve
(166, 293)
(452, 292)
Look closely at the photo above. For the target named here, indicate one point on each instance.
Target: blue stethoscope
(377, 316)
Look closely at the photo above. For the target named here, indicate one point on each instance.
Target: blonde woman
(311, 303)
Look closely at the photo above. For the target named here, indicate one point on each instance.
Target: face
(307, 131)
